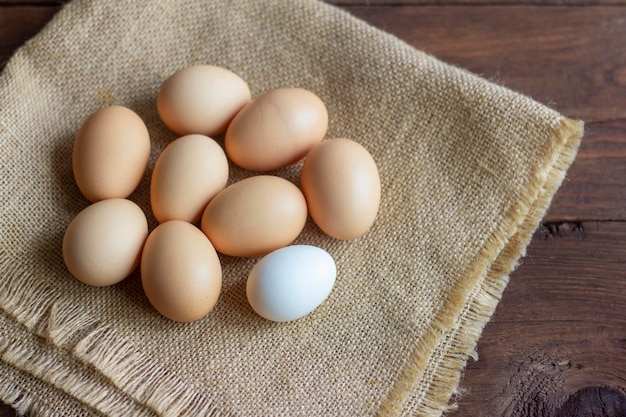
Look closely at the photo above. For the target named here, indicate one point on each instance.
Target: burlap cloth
(468, 169)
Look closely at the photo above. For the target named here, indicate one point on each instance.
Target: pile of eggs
(261, 215)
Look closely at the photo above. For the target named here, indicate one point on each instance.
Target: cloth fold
(468, 169)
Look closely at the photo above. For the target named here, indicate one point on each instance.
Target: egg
(103, 243)
(341, 184)
(187, 175)
(277, 129)
(255, 216)
(110, 153)
(180, 271)
(291, 282)
(201, 99)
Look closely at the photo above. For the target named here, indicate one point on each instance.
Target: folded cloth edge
(55, 376)
(453, 336)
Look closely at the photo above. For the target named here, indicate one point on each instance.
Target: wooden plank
(572, 59)
(595, 186)
(559, 332)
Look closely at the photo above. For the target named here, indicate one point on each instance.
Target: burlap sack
(468, 169)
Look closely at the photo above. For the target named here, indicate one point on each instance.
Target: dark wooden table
(557, 343)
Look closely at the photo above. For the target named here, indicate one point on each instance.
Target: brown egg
(180, 271)
(201, 99)
(342, 187)
(110, 153)
(277, 129)
(187, 175)
(102, 244)
(255, 216)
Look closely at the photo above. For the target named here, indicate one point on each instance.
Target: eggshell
(110, 153)
(255, 216)
(187, 175)
(180, 271)
(341, 184)
(102, 244)
(201, 99)
(277, 129)
(291, 282)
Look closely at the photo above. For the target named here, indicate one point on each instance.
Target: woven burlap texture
(468, 169)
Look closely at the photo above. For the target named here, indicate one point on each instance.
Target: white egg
(291, 282)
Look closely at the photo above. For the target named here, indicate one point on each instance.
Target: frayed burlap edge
(24, 352)
(23, 402)
(36, 306)
(455, 332)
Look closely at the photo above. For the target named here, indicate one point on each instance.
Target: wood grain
(559, 330)
(570, 58)
(556, 346)
(595, 187)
